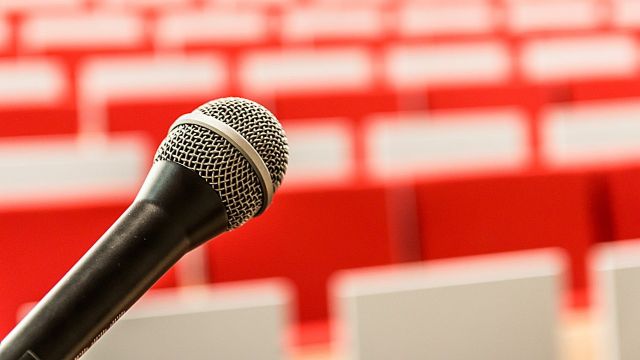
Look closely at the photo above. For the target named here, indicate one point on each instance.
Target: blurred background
(419, 130)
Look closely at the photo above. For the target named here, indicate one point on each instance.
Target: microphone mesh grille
(221, 164)
(256, 124)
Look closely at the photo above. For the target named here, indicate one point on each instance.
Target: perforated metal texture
(256, 124)
(221, 164)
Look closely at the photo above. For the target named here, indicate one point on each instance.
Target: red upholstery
(350, 105)
(606, 89)
(624, 195)
(30, 121)
(39, 246)
(306, 237)
(525, 96)
(503, 214)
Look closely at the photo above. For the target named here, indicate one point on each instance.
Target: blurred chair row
(98, 74)
(338, 135)
(346, 144)
(492, 307)
(370, 92)
(308, 235)
(359, 18)
(232, 28)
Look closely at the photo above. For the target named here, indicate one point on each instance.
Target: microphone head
(222, 162)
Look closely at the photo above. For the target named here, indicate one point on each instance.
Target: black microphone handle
(175, 211)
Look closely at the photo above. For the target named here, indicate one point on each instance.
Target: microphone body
(175, 211)
(218, 167)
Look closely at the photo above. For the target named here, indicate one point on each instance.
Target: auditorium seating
(495, 214)
(305, 237)
(490, 125)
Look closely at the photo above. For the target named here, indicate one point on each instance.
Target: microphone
(218, 167)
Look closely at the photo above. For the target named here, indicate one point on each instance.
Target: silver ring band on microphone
(240, 143)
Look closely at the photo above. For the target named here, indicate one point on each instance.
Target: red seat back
(307, 236)
(624, 193)
(505, 214)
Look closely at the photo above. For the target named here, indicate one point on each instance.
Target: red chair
(489, 215)
(305, 237)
